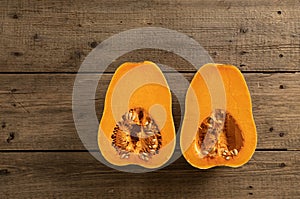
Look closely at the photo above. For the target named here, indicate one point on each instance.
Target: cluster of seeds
(214, 138)
(229, 154)
(136, 133)
(209, 132)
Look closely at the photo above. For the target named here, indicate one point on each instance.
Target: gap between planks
(108, 73)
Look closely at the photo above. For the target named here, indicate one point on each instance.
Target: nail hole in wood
(271, 129)
(4, 171)
(281, 134)
(3, 125)
(243, 52)
(77, 55)
(93, 44)
(36, 37)
(279, 12)
(11, 136)
(15, 16)
(13, 90)
(17, 54)
(282, 165)
(280, 55)
(282, 86)
(243, 30)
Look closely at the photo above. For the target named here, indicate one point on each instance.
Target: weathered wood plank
(36, 110)
(79, 175)
(55, 36)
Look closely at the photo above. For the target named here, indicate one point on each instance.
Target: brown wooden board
(56, 36)
(79, 175)
(37, 109)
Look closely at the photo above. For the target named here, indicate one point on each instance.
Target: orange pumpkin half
(137, 123)
(218, 128)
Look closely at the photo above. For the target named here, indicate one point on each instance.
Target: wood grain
(79, 175)
(56, 36)
(37, 109)
(43, 44)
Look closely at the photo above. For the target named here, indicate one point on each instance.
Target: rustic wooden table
(43, 44)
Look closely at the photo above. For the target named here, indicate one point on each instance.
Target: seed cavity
(219, 135)
(136, 133)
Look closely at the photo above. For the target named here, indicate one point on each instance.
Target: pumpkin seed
(130, 116)
(235, 152)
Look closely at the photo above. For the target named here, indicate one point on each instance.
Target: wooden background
(43, 43)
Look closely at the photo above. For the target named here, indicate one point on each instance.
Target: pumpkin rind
(137, 88)
(201, 102)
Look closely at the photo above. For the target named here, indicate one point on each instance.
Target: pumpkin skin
(139, 101)
(218, 94)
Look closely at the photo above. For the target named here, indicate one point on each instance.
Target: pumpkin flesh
(218, 127)
(137, 123)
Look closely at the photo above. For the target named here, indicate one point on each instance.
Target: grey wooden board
(56, 36)
(79, 175)
(37, 109)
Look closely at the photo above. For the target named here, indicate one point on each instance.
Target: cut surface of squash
(137, 124)
(218, 128)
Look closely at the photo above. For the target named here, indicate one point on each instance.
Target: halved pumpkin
(137, 123)
(218, 126)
